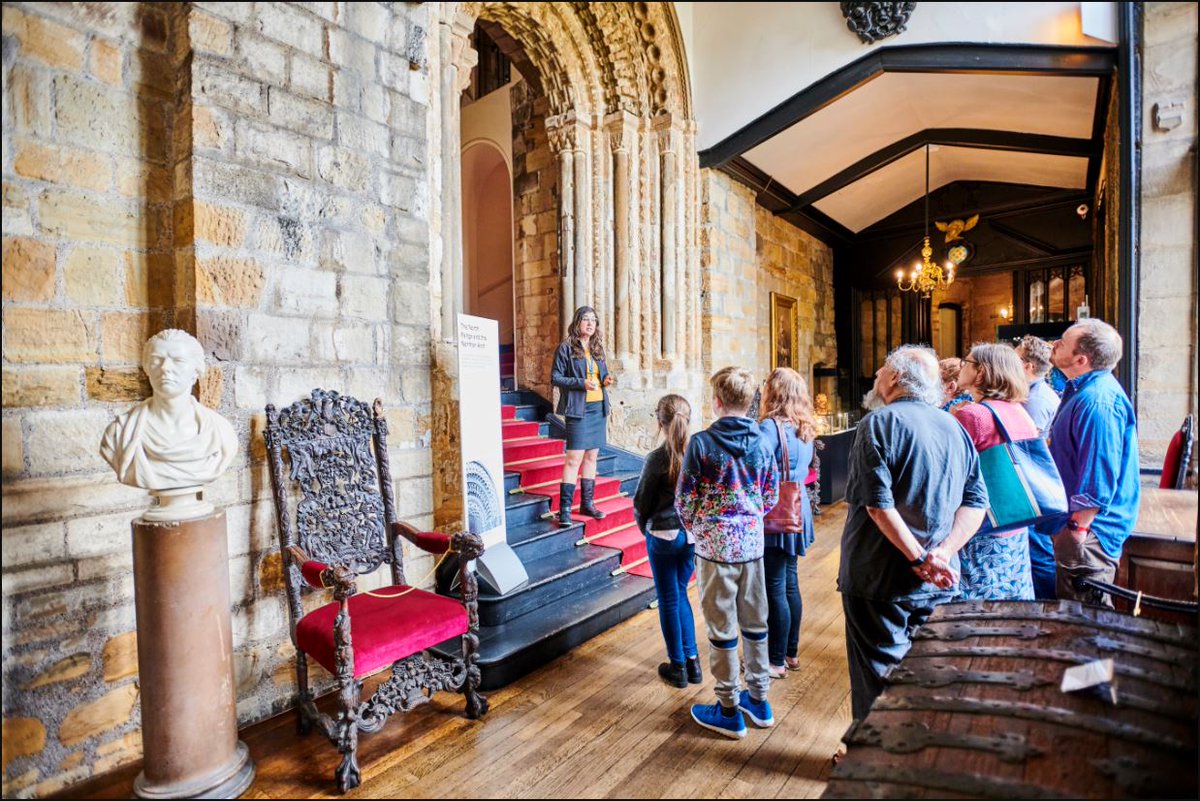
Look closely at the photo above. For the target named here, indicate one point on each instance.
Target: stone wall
(536, 265)
(272, 194)
(747, 253)
(1167, 333)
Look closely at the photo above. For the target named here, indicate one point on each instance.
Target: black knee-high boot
(587, 504)
(566, 497)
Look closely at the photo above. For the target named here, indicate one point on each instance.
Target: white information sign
(479, 428)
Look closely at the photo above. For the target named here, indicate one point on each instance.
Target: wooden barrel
(975, 709)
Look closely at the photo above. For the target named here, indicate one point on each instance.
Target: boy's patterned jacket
(728, 482)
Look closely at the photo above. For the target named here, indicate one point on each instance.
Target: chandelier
(926, 275)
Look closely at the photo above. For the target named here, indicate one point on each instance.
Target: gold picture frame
(784, 331)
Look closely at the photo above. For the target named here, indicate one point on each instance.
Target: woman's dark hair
(673, 414)
(595, 345)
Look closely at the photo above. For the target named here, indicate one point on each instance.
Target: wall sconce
(1005, 312)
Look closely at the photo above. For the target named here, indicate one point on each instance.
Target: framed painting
(783, 331)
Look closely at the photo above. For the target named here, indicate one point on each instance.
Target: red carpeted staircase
(539, 462)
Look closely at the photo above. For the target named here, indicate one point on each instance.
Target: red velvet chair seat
(383, 630)
(811, 477)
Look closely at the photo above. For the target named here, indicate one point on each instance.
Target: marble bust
(170, 444)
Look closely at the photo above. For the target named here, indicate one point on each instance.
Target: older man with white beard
(916, 497)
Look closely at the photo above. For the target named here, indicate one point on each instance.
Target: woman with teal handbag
(995, 562)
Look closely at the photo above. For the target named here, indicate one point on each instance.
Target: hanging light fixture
(926, 275)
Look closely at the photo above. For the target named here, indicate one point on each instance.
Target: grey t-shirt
(917, 459)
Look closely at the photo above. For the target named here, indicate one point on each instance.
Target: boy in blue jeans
(728, 482)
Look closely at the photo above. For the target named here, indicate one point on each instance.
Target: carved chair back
(336, 449)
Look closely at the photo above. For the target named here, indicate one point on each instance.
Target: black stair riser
(500, 673)
(551, 542)
(502, 610)
(526, 510)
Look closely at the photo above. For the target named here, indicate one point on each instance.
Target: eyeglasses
(588, 320)
(970, 361)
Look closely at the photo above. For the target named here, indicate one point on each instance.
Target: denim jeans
(672, 564)
(1041, 561)
(784, 607)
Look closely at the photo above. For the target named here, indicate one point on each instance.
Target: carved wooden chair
(344, 525)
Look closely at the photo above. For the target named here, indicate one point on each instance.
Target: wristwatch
(920, 560)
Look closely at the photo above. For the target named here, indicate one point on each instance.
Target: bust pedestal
(185, 661)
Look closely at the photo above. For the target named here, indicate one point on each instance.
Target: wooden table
(1160, 555)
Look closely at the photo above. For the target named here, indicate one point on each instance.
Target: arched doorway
(488, 235)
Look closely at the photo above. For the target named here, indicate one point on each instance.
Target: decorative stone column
(622, 129)
(668, 146)
(562, 142)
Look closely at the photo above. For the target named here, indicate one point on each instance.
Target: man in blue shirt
(916, 496)
(1042, 404)
(1094, 443)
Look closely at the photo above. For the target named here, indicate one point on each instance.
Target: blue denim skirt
(589, 431)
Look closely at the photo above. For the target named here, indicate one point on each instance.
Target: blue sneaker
(710, 717)
(759, 712)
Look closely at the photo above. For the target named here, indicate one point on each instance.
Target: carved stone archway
(621, 128)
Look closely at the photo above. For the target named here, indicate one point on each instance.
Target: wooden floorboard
(594, 723)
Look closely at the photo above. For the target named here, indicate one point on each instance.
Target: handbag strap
(999, 422)
(786, 469)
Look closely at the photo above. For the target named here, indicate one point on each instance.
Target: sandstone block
(116, 385)
(270, 573)
(210, 127)
(65, 165)
(301, 115)
(262, 621)
(310, 78)
(149, 279)
(220, 331)
(220, 225)
(62, 442)
(360, 134)
(213, 178)
(25, 545)
(213, 82)
(262, 57)
(72, 667)
(29, 273)
(22, 737)
(46, 41)
(352, 53)
(41, 386)
(49, 336)
(31, 107)
(145, 181)
(210, 34)
(273, 148)
(124, 334)
(277, 340)
(297, 384)
(13, 447)
(250, 387)
(120, 656)
(93, 276)
(227, 281)
(84, 218)
(109, 711)
(364, 297)
(352, 251)
(93, 115)
(344, 168)
(20, 581)
(105, 62)
(308, 291)
(292, 26)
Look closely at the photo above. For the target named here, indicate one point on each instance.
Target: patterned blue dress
(996, 568)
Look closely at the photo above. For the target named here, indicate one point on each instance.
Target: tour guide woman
(581, 376)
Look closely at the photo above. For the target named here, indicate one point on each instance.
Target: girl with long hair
(582, 377)
(995, 566)
(671, 549)
(787, 417)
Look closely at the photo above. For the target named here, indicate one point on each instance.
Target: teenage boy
(728, 482)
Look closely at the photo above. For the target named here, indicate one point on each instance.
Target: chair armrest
(467, 545)
(339, 578)
(434, 542)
